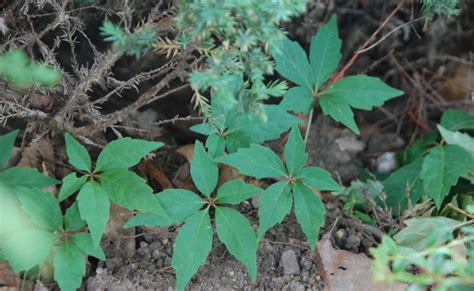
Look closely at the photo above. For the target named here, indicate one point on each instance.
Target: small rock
(255, 201)
(386, 163)
(340, 233)
(156, 254)
(348, 142)
(165, 241)
(306, 263)
(353, 242)
(143, 244)
(289, 263)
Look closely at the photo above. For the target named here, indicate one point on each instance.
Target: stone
(289, 263)
(255, 201)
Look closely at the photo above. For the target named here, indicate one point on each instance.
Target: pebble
(306, 263)
(255, 201)
(289, 263)
(156, 254)
(353, 242)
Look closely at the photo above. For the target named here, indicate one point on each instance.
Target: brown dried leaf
(343, 270)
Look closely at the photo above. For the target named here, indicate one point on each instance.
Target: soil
(149, 268)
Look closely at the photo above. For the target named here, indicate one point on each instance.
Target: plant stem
(308, 127)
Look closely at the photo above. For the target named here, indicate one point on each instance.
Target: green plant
(433, 168)
(134, 43)
(432, 7)
(425, 253)
(41, 234)
(236, 36)
(339, 96)
(298, 183)
(194, 241)
(16, 68)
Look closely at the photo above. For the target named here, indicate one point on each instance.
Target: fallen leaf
(343, 270)
(122, 239)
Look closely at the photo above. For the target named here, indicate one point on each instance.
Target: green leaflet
(129, 190)
(309, 210)
(325, 52)
(77, 154)
(69, 266)
(339, 110)
(236, 191)
(455, 119)
(191, 247)
(421, 233)
(124, 153)
(215, 145)
(203, 170)
(441, 170)
(41, 207)
(72, 218)
(295, 155)
(235, 231)
(178, 204)
(16, 67)
(298, 99)
(292, 63)
(257, 161)
(26, 177)
(361, 92)
(458, 138)
(26, 249)
(245, 129)
(403, 183)
(275, 204)
(318, 178)
(6, 147)
(71, 184)
(94, 207)
(84, 242)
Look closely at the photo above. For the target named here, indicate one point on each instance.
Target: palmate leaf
(235, 231)
(94, 207)
(191, 247)
(275, 204)
(295, 155)
(309, 210)
(6, 147)
(124, 153)
(441, 170)
(77, 154)
(236, 191)
(361, 92)
(257, 161)
(325, 52)
(203, 170)
(69, 266)
(178, 204)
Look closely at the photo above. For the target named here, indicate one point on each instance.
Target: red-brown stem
(367, 42)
